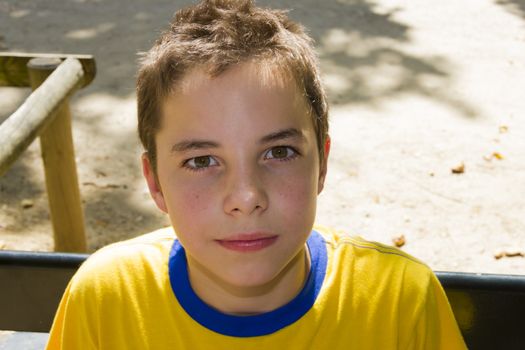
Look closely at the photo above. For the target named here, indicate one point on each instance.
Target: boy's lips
(248, 242)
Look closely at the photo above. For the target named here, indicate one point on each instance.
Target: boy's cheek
(192, 199)
(296, 195)
(188, 199)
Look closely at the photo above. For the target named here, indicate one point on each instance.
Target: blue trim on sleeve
(248, 326)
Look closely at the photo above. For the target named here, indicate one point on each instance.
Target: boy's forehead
(256, 86)
(264, 74)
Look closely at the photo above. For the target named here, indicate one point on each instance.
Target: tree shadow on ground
(363, 61)
(89, 27)
(23, 203)
(110, 216)
(117, 204)
(363, 57)
(110, 213)
(516, 7)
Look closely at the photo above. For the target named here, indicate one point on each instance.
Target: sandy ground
(416, 89)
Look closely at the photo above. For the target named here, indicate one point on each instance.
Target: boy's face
(238, 173)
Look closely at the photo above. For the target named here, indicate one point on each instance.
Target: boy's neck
(243, 301)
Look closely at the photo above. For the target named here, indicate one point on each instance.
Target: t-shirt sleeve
(102, 305)
(436, 328)
(73, 326)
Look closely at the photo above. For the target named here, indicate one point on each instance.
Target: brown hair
(216, 34)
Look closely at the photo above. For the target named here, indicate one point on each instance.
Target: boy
(234, 122)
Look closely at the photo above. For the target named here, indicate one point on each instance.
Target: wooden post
(58, 154)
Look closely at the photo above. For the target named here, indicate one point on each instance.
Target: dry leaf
(104, 186)
(503, 129)
(101, 223)
(100, 173)
(459, 169)
(513, 253)
(497, 155)
(27, 203)
(111, 186)
(509, 254)
(399, 241)
(499, 255)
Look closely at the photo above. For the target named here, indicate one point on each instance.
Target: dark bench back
(31, 285)
(490, 309)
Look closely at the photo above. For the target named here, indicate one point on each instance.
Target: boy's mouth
(248, 242)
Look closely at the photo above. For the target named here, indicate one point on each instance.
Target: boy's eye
(280, 152)
(200, 162)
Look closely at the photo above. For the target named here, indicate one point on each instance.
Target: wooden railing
(46, 114)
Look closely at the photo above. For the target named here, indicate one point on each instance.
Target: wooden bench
(490, 309)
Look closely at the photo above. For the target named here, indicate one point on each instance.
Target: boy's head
(216, 35)
(234, 122)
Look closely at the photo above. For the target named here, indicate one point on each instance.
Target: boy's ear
(153, 185)
(324, 165)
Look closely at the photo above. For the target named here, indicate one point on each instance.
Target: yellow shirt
(358, 295)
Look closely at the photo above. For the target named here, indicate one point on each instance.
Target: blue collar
(248, 326)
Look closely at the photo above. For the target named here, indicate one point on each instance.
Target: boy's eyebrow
(192, 145)
(187, 145)
(290, 133)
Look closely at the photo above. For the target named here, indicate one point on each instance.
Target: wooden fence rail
(13, 67)
(30, 119)
(45, 113)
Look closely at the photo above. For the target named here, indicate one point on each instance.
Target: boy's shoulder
(358, 260)
(341, 240)
(152, 242)
(141, 255)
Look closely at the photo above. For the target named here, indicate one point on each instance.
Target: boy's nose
(245, 194)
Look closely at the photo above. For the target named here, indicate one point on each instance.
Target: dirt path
(417, 88)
